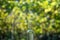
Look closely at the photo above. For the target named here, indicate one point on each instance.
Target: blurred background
(29, 19)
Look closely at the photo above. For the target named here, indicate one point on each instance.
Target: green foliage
(44, 14)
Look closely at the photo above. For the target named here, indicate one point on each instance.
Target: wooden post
(30, 35)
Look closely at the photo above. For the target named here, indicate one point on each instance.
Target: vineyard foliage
(43, 16)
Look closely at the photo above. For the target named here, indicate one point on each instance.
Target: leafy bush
(44, 16)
